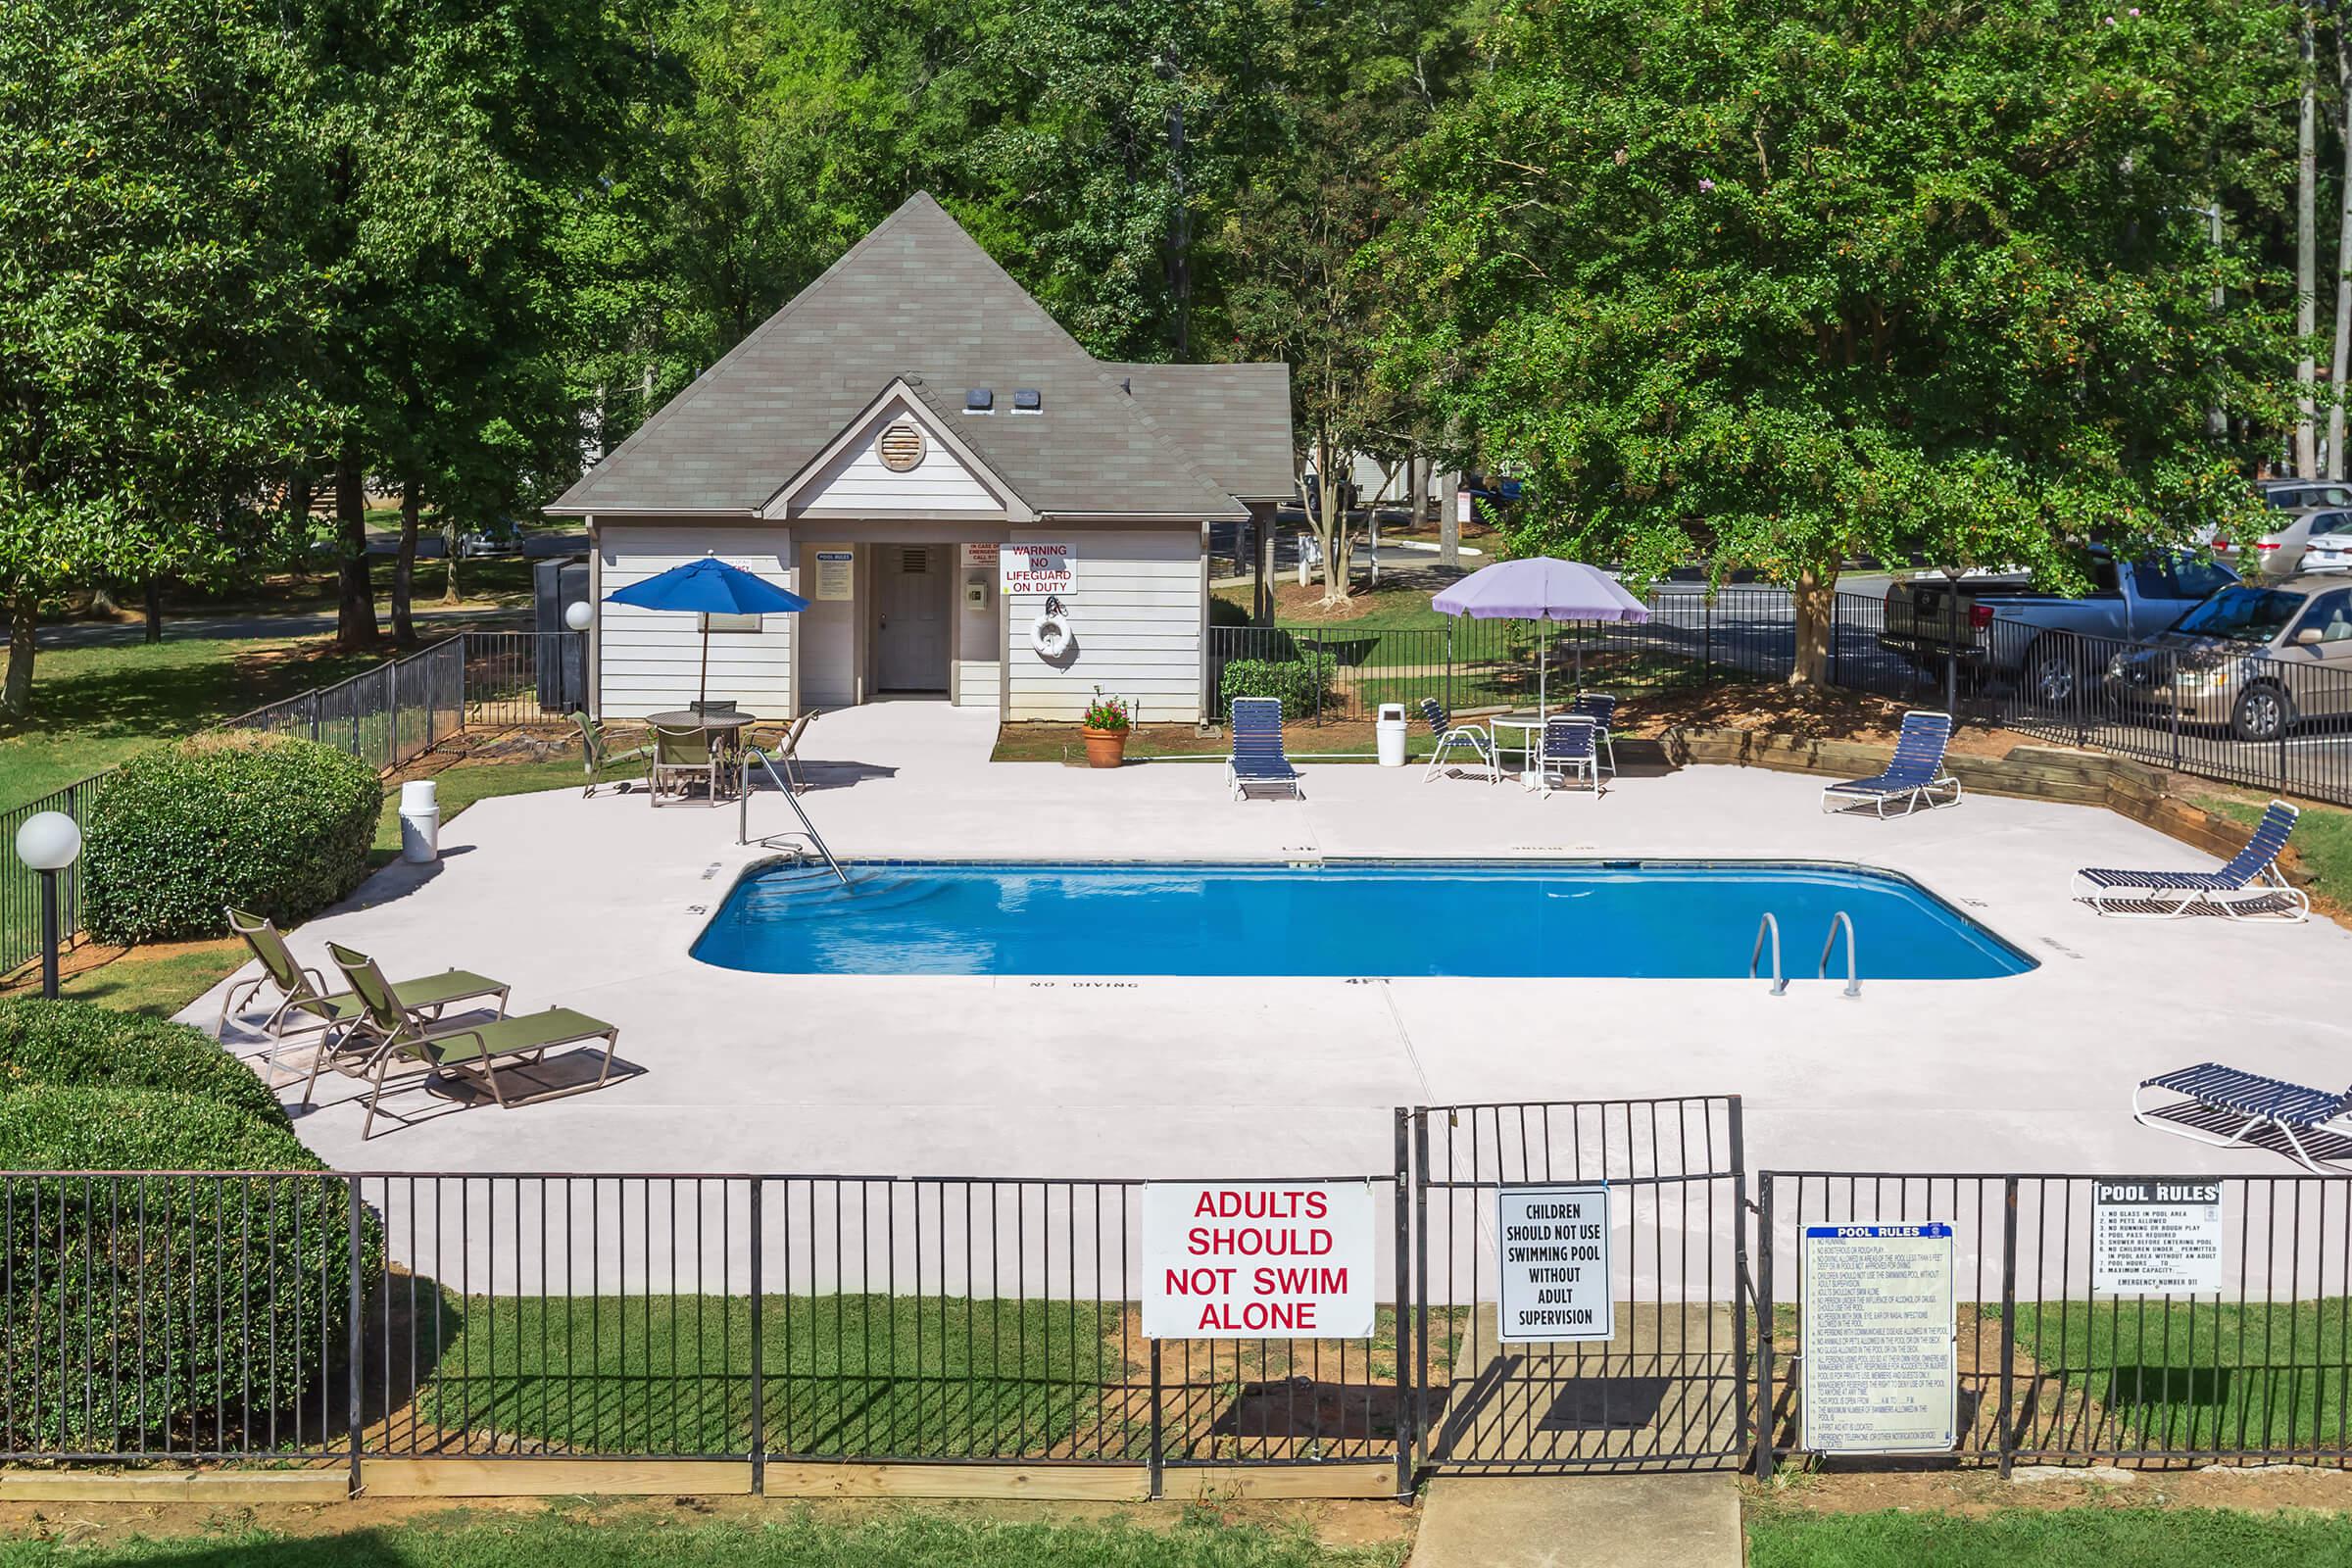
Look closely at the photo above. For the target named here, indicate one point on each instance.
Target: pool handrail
(1853, 970)
(743, 813)
(1771, 924)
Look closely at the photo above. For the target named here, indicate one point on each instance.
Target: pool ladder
(743, 813)
(1770, 927)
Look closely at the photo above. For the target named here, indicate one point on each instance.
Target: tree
(1774, 286)
(143, 299)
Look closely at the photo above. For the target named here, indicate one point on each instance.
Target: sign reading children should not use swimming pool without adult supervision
(1253, 1260)
(1553, 1264)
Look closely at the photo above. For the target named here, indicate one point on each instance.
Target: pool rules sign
(1553, 1264)
(2155, 1236)
(1253, 1260)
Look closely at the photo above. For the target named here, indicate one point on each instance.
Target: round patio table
(723, 731)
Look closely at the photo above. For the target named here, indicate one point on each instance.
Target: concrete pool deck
(593, 904)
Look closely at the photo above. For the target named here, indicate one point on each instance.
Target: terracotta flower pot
(1104, 748)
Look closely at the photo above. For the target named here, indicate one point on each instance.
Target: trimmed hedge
(182, 1309)
(1303, 684)
(276, 825)
(82, 1043)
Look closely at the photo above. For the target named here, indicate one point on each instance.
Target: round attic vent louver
(902, 447)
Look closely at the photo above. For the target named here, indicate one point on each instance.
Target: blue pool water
(1655, 919)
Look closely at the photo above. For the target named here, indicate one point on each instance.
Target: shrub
(276, 825)
(192, 1309)
(1303, 684)
(82, 1042)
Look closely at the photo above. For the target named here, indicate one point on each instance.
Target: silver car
(2258, 656)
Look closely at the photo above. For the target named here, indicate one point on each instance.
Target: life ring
(1049, 635)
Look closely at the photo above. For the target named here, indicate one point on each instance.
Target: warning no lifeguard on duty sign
(1250, 1261)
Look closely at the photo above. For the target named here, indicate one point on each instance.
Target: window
(2330, 615)
(2241, 614)
(2200, 576)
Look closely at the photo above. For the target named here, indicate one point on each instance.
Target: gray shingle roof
(918, 299)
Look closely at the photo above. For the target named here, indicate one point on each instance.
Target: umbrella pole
(702, 685)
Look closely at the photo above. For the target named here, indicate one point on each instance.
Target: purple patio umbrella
(1542, 589)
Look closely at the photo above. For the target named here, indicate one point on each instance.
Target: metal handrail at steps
(1769, 925)
(743, 814)
(1853, 971)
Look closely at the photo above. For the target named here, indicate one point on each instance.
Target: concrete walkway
(1590, 1521)
(593, 904)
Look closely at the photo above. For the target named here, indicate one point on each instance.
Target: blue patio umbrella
(709, 587)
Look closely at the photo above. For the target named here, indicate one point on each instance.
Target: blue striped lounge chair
(1568, 751)
(1258, 764)
(1450, 735)
(2249, 887)
(2231, 1093)
(1601, 708)
(1914, 777)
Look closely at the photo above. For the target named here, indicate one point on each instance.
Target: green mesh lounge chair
(398, 1034)
(596, 754)
(679, 757)
(305, 1002)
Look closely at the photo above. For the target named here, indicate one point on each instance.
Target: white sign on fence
(1236, 1261)
(1553, 1264)
(1039, 569)
(2156, 1235)
(1879, 1369)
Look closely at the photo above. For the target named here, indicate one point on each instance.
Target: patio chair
(2249, 887)
(397, 1032)
(1568, 751)
(1450, 735)
(1601, 708)
(597, 754)
(785, 752)
(681, 755)
(1914, 776)
(303, 994)
(2230, 1092)
(1257, 762)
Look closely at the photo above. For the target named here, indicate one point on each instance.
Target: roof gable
(917, 299)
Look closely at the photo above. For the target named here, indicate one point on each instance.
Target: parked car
(2003, 626)
(486, 544)
(2277, 553)
(2329, 547)
(2258, 656)
(2301, 494)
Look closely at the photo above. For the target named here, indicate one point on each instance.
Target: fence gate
(1667, 1390)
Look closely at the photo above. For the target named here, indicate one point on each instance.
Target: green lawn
(2072, 1538)
(2322, 838)
(901, 1538)
(93, 707)
(845, 1375)
(460, 786)
(2186, 1374)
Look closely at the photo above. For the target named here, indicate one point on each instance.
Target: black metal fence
(1341, 674)
(803, 1318)
(2051, 1371)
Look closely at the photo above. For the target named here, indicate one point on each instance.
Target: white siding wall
(649, 660)
(1136, 617)
(856, 483)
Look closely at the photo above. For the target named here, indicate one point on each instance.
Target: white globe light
(49, 841)
(577, 615)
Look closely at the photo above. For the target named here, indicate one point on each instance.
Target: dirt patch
(82, 1524)
(2259, 1488)
(1808, 712)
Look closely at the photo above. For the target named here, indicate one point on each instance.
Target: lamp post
(579, 616)
(49, 842)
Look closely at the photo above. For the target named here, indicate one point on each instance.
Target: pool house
(978, 511)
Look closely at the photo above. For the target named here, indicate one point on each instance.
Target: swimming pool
(1646, 920)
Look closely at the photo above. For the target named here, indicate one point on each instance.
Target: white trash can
(1390, 729)
(419, 822)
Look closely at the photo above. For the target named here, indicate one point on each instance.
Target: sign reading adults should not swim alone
(1553, 1264)
(1253, 1260)
(2156, 1235)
